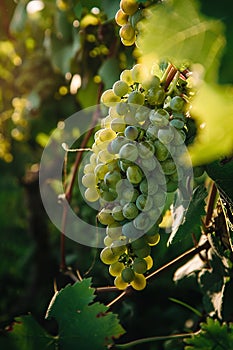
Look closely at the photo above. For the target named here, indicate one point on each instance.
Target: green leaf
(87, 95)
(19, 18)
(27, 334)
(109, 72)
(175, 31)
(213, 335)
(212, 107)
(81, 325)
(192, 220)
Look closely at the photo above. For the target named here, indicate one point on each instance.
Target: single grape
(118, 247)
(143, 252)
(142, 114)
(130, 194)
(121, 17)
(120, 87)
(106, 135)
(88, 168)
(108, 98)
(116, 268)
(126, 75)
(114, 230)
(149, 262)
(130, 211)
(148, 164)
(117, 213)
(105, 216)
(129, 231)
(139, 265)
(112, 178)
(108, 241)
(127, 33)
(127, 274)
(198, 171)
(168, 166)
(139, 73)
(165, 135)
(150, 82)
(177, 103)
(136, 97)
(107, 256)
(139, 243)
(129, 152)
(177, 123)
(117, 143)
(108, 195)
(89, 180)
(131, 132)
(129, 6)
(153, 240)
(171, 186)
(155, 96)
(104, 157)
(160, 117)
(91, 195)
(100, 170)
(152, 132)
(144, 203)
(139, 282)
(161, 151)
(134, 174)
(142, 222)
(119, 283)
(124, 164)
(146, 149)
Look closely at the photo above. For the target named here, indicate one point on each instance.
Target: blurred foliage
(54, 62)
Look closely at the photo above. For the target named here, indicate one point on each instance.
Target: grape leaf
(215, 135)
(83, 325)
(109, 72)
(192, 220)
(27, 334)
(177, 32)
(213, 335)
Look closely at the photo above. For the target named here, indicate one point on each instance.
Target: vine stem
(69, 189)
(210, 204)
(151, 339)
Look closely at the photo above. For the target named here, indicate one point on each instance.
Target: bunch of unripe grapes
(131, 168)
(128, 16)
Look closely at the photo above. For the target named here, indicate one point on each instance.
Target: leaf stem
(210, 204)
(151, 339)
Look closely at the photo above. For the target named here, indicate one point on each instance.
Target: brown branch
(210, 204)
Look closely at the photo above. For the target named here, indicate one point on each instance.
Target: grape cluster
(128, 16)
(132, 167)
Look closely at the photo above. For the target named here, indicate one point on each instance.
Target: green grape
(150, 82)
(118, 247)
(117, 143)
(130, 194)
(104, 157)
(122, 108)
(117, 213)
(161, 151)
(165, 135)
(127, 274)
(168, 166)
(108, 98)
(160, 117)
(88, 168)
(108, 241)
(129, 152)
(126, 75)
(139, 282)
(141, 114)
(107, 256)
(119, 283)
(118, 125)
(130, 211)
(93, 159)
(143, 252)
(136, 97)
(139, 73)
(129, 231)
(144, 203)
(153, 213)
(116, 268)
(106, 135)
(113, 165)
(155, 96)
(91, 194)
(124, 164)
(129, 6)
(148, 164)
(149, 186)
(131, 132)
(153, 239)
(114, 230)
(105, 216)
(121, 17)
(142, 222)
(159, 198)
(177, 123)
(149, 262)
(89, 180)
(171, 186)
(108, 195)
(120, 87)
(179, 137)
(177, 103)
(112, 178)
(198, 171)
(139, 243)
(152, 132)
(139, 265)
(100, 170)
(127, 33)
(146, 149)
(134, 174)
